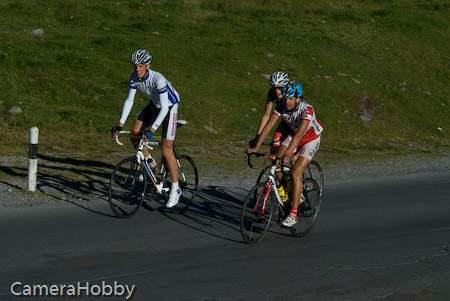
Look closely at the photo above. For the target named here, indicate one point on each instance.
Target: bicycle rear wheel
(126, 188)
(308, 211)
(314, 171)
(256, 213)
(188, 181)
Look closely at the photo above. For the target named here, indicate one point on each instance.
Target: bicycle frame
(257, 213)
(159, 185)
(271, 184)
(129, 181)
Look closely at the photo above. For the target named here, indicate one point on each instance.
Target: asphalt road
(385, 238)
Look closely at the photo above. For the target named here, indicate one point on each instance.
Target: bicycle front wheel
(264, 174)
(126, 188)
(188, 181)
(256, 213)
(309, 209)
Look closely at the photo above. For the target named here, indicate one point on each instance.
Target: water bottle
(151, 162)
(283, 195)
(161, 168)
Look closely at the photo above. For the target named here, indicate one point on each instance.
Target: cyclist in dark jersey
(277, 80)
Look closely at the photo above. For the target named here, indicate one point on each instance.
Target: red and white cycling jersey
(303, 111)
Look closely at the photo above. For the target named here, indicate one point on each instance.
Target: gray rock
(38, 32)
(15, 110)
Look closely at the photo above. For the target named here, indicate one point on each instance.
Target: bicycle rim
(256, 213)
(314, 171)
(126, 188)
(308, 211)
(188, 181)
(264, 174)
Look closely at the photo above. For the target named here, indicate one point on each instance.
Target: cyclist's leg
(276, 140)
(134, 132)
(280, 152)
(169, 158)
(145, 117)
(297, 175)
(306, 153)
(169, 128)
(280, 134)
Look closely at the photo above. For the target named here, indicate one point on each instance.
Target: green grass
(72, 81)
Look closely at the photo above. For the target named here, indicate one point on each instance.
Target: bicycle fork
(264, 194)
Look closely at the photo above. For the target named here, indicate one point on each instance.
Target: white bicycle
(131, 181)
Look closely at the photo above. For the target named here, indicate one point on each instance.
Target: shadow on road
(216, 211)
(84, 183)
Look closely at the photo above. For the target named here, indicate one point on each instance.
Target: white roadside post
(32, 159)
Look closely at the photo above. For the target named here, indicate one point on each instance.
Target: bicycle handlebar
(248, 155)
(146, 144)
(180, 123)
(117, 137)
(270, 156)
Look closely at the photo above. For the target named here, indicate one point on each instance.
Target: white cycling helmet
(279, 78)
(141, 56)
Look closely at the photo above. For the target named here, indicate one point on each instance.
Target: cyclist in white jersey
(304, 139)
(161, 110)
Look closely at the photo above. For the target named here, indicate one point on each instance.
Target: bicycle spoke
(314, 171)
(256, 213)
(188, 181)
(308, 210)
(126, 188)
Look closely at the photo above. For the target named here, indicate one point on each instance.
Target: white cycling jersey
(158, 90)
(303, 111)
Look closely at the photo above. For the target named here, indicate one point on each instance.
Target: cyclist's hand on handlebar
(251, 150)
(115, 131)
(248, 152)
(148, 135)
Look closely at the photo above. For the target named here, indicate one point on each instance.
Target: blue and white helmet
(141, 56)
(279, 78)
(293, 89)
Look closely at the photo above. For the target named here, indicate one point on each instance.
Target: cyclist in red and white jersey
(161, 110)
(305, 135)
(278, 79)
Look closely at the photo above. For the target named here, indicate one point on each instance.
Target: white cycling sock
(174, 185)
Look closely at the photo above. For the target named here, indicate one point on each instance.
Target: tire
(308, 211)
(188, 181)
(314, 171)
(126, 192)
(257, 213)
(263, 174)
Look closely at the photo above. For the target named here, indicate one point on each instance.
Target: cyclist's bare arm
(265, 117)
(272, 120)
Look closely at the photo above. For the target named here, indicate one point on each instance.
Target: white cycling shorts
(307, 150)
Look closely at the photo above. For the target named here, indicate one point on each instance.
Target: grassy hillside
(390, 58)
